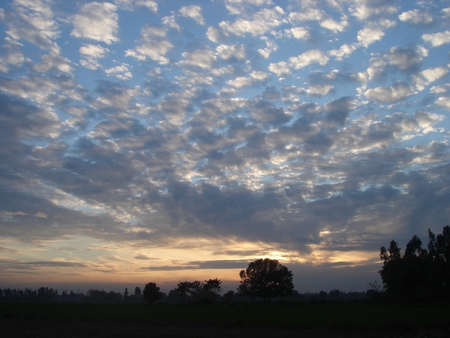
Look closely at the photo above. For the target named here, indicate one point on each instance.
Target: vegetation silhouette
(417, 274)
(151, 293)
(266, 278)
(206, 291)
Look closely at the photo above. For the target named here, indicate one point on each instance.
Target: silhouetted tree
(183, 289)
(334, 293)
(266, 278)
(418, 273)
(137, 291)
(197, 290)
(151, 293)
(212, 286)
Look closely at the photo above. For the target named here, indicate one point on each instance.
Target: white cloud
(263, 21)
(97, 21)
(335, 26)
(170, 22)
(343, 52)
(396, 92)
(445, 13)
(260, 76)
(252, 2)
(444, 102)
(301, 33)
(416, 16)
(309, 57)
(437, 39)
(34, 22)
(280, 68)
(91, 54)
(369, 35)
(243, 81)
(199, 58)
(363, 11)
(122, 72)
(433, 74)
(227, 52)
(12, 55)
(308, 14)
(240, 82)
(130, 5)
(428, 76)
(270, 47)
(440, 89)
(194, 12)
(54, 62)
(214, 34)
(153, 47)
(320, 90)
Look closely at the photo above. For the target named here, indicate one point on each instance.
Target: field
(332, 319)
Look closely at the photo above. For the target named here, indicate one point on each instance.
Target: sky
(162, 141)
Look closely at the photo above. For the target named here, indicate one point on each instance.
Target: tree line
(416, 274)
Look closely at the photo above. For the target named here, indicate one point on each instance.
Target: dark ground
(52, 328)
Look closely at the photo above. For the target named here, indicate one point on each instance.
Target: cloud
(364, 10)
(301, 33)
(96, 21)
(130, 5)
(122, 72)
(262, 22)
(153, 45)
(280, 68)
(369, 35)
(395, 93)
(54, 62)
(34, 22)
(91, 54)
(270, 48)
(437, 39)
(199, 58)
(416, 17)
(230, 52)
(343, 52)
(444, 102)
(193, 12)
(308, 58)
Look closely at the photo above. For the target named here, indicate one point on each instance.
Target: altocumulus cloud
(176, 139)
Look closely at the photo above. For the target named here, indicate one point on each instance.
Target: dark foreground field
(241, 320)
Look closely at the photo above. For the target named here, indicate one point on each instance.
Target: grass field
(301, 315)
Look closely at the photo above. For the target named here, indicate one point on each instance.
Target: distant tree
(323, 294)
(195, 288)
(125, 294)
(266, 278)
(212, 286)
(334, 293)
(151, 293)
(137, 291)
(45, 293)
(229, 296)
(183, 289)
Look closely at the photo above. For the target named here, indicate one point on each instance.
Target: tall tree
(266, 278)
